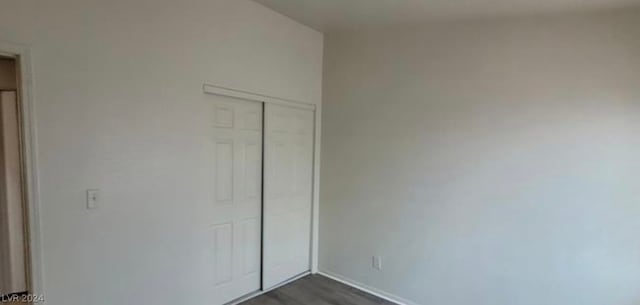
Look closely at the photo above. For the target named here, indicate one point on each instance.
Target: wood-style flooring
(310, 290)
(316, 290)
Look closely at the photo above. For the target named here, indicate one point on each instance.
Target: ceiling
(331, 15)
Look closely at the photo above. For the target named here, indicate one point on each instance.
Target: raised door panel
(222, 253)
(224, 171)
(250, 235)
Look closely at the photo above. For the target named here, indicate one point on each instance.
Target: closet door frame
(257, 97)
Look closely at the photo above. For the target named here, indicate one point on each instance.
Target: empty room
(320, 152)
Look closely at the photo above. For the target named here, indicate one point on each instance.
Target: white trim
(252, 96)
(368, 289)
(261, 292)
(29, 146)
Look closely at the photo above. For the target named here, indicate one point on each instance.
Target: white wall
(119, 107)
(486, 162)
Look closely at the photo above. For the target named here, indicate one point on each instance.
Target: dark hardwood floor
(316, 290)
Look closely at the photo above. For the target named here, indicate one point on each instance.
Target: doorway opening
(14, 232)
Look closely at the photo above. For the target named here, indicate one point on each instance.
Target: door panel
(288, 187)
(236, 145)
(223, 253)
(250, 234)
(224, 171)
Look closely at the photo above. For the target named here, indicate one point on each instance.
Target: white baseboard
(371, 290)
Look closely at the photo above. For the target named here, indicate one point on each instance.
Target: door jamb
(28, 139)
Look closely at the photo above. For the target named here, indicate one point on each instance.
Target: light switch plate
(93, 199)
(376, 262)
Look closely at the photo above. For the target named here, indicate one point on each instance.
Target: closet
(262, 171)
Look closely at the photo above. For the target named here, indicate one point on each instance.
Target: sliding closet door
(13, 276)
(288, 186)
(236, 146)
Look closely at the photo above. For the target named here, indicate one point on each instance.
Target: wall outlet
(93, 199)
(376, 262)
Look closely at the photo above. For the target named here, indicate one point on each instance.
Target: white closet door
(288, 186)
(13, 276)
(236, 146)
